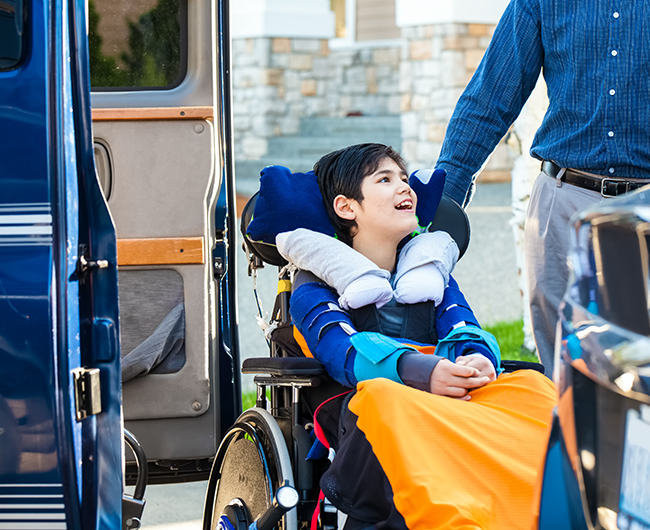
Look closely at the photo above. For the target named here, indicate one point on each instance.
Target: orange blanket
(460, 465)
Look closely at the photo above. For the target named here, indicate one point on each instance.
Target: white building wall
(309, 19)
(426, 12)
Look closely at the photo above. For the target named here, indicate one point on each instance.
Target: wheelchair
(260, 472)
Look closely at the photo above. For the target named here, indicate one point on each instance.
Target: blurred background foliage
(153, 44)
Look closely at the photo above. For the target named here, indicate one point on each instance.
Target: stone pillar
(279, 55)
(444, 41)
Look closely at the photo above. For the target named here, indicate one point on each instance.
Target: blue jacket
(350, 356)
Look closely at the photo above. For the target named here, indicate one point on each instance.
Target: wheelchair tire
(251, 463)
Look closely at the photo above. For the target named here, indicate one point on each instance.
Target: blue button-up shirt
(595, 58)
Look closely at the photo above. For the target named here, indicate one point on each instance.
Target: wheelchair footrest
(283, 366)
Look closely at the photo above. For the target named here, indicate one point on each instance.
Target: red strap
(317, 428)
(314, 518)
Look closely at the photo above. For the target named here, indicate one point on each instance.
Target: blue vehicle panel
(50, 208)
(602, 373)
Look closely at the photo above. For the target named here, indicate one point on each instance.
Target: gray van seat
(161, 345)
(152, 299)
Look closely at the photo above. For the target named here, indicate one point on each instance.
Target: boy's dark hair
(342, 173)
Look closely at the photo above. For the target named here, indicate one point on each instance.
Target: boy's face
(387, 210)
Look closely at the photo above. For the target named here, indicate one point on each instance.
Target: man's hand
(481, 363)
(455, 380)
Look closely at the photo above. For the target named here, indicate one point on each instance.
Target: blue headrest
(287, 201)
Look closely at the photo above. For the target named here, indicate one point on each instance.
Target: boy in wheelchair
(373, 209)
(407, 458)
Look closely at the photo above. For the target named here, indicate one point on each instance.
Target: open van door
(60, 413)
(161, 123)
(162, 152)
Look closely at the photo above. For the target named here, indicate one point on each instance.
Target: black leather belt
(606, 186)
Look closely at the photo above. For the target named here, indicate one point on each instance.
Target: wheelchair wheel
(251, 463)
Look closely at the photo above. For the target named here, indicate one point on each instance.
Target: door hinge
(87, 392)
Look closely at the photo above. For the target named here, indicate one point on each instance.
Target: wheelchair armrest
(513, 366)
(283, 366)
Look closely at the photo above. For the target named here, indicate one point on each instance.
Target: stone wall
(278, 81)
(436, 64)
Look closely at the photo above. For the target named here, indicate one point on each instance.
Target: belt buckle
(604, 181)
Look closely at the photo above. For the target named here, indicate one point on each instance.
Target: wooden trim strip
(154, 113)
(161, 251)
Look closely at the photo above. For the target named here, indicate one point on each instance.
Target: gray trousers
(546, 243)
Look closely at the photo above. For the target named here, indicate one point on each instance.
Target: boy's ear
(343, 208)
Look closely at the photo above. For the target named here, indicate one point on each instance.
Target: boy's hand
(455, 380)
(481, 363)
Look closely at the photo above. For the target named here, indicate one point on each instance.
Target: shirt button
(611, 170)
(616, 14)
(610, 133)
(614, 53)
(612, 92)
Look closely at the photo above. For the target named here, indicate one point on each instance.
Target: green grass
(248, 400)
(509, 335)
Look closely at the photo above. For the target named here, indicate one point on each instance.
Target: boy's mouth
(406, 204)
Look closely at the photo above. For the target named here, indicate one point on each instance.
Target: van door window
(137, 44)
(12, 22)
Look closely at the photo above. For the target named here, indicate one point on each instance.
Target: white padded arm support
(331, 260)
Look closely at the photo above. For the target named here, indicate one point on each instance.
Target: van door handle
(104, 340)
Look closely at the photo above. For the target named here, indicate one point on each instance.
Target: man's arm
(494, 97)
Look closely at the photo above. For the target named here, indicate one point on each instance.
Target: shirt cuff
(415, 369)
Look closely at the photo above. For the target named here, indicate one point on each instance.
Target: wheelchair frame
(281, 438)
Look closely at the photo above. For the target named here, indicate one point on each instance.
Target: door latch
(84, 265)
(87, 392)
(218, 267)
